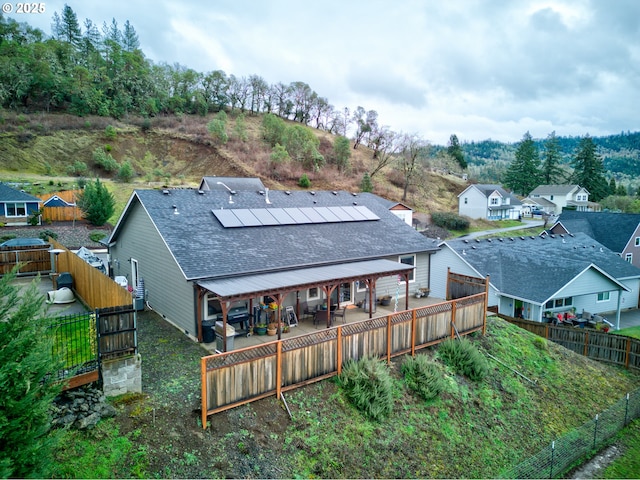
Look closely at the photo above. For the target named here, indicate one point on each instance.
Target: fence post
(414, 319)
(553, 451)
(339, 349)
(279, 368)
(595, 432)
(389, 330)
(586, 344)
(203, 393)
(453, 319)
(626, 410)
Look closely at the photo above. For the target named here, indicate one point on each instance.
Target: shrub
(45, 234)
(422, 376)
(110, 132)
(97, 235)
(78, 168)
(450, 221)
(104, 159)
(125, 172)
(368, 385)
(464, 358)
(304, 181)
(366, 185)
(34, 218)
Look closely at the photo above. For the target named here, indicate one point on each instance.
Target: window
(409, 260)
(603, 297)
(16, 210)
(637, 241)
(551, 197)
(466, 200)
(313, 293)
(494, 201)
(559, 303)
(629, 257)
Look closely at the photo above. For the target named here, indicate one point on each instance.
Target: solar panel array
(258, 217)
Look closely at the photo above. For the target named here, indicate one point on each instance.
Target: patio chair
(320, 317)
(340, 313)
(307, 312)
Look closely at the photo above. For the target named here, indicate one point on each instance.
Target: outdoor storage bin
(208, 334)
(230, 333)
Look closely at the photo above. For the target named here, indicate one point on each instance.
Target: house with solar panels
(231, 246)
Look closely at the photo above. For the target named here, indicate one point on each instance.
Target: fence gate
(116, 330)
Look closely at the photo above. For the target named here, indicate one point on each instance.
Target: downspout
(618, 310)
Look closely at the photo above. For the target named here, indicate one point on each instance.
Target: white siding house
(491, 202)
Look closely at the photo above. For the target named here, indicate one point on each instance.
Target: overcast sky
(480, 69)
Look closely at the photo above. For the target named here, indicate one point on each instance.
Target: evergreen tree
(552, 174)
(455, 150)
(366, 185)
(588, 170)
(342, 152)
(27, 381)
(130, 41)
(97, 203)
(523, 174)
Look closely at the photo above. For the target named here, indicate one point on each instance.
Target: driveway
(527, 224)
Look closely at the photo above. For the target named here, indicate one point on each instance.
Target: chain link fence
(564, 452)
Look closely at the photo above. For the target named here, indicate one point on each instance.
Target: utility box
(220, 334)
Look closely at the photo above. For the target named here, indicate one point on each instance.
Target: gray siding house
(199, 254)
(529, 276)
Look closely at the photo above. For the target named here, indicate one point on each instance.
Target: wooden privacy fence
(94, 287)
(459, 286)
(234, 378)
(62, 214)
(591, 343)
(34, 259)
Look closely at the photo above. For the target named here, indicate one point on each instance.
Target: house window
(551, 197)
(16, 209)
(361, 286)
(629, 257)
(559, 303)
(409, 260)
(212, 306)
(494, 201)
(466, 200)
(603, 297)
(637, 241)
(313, 293)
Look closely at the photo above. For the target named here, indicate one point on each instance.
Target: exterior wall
(633, 248)
(123, 375)
(31, 208)
(440, 261)
(405, 215)
(168, 291)
(476, 206)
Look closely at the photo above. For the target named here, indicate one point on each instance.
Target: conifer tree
(552, 174)
(27, 380)
(588, 170)
(523, 174)
(97, 203)
(366, 185)
(455, 151)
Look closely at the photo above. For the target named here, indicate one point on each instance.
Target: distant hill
(488, 159)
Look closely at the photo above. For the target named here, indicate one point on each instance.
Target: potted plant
(272, 328)
(260, 329)
(384, 300)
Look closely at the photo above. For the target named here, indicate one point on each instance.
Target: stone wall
(122, 375)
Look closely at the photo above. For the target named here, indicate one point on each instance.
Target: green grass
(76, 339)
(628, 332)
(628, 464)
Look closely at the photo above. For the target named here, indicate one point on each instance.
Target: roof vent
(464, 252)
(532, 237)
(355, 203)
(561, 235)
(500, 239)
(315, 201)
(511, 238)
(473, 246)
(266, 196)
(477, 240)
(466, 241)
(312, 192)
(165, 192)
(354, 194)
(287, 192)
(260, 192)
(571, 234)
(521, 238)
(334, 192)
(552, 235)
(489, 240)
(200, 192)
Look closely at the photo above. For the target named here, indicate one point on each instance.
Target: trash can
(64, 280)
(230, 334)
(207, 331)
(138, 303)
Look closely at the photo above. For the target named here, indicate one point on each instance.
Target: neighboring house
(56, 201)
(529, 276)
(202, 252)
(17, 206)
(402, 211)
(491, 202)
(619, 232)
(231, 183)
(574, 197)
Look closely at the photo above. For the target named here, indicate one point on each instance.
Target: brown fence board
(35, 258)
(237, 377)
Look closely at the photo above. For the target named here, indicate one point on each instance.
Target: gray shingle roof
(205, 249)
(8, 194)
(553, 189)
(613, 230)
(488, 188)
(535, 268)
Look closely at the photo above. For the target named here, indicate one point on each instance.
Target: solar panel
(258, 217)
(265, 217)
(297, 215)
(247, 218)
(282, 216)
(227, 218)
(341, 214)
(327, 214)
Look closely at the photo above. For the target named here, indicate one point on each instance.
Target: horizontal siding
(169, 293)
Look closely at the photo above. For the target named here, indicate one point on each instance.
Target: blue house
(16, 206)
(530, 276)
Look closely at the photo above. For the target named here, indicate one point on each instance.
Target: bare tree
(386, 152)
(413, 152)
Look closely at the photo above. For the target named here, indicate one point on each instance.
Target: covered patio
(284, 289)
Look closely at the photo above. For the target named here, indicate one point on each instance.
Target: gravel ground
(72, 235)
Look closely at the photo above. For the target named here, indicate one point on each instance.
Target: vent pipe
(266, 196)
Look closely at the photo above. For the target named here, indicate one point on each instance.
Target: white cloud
(477, 68)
